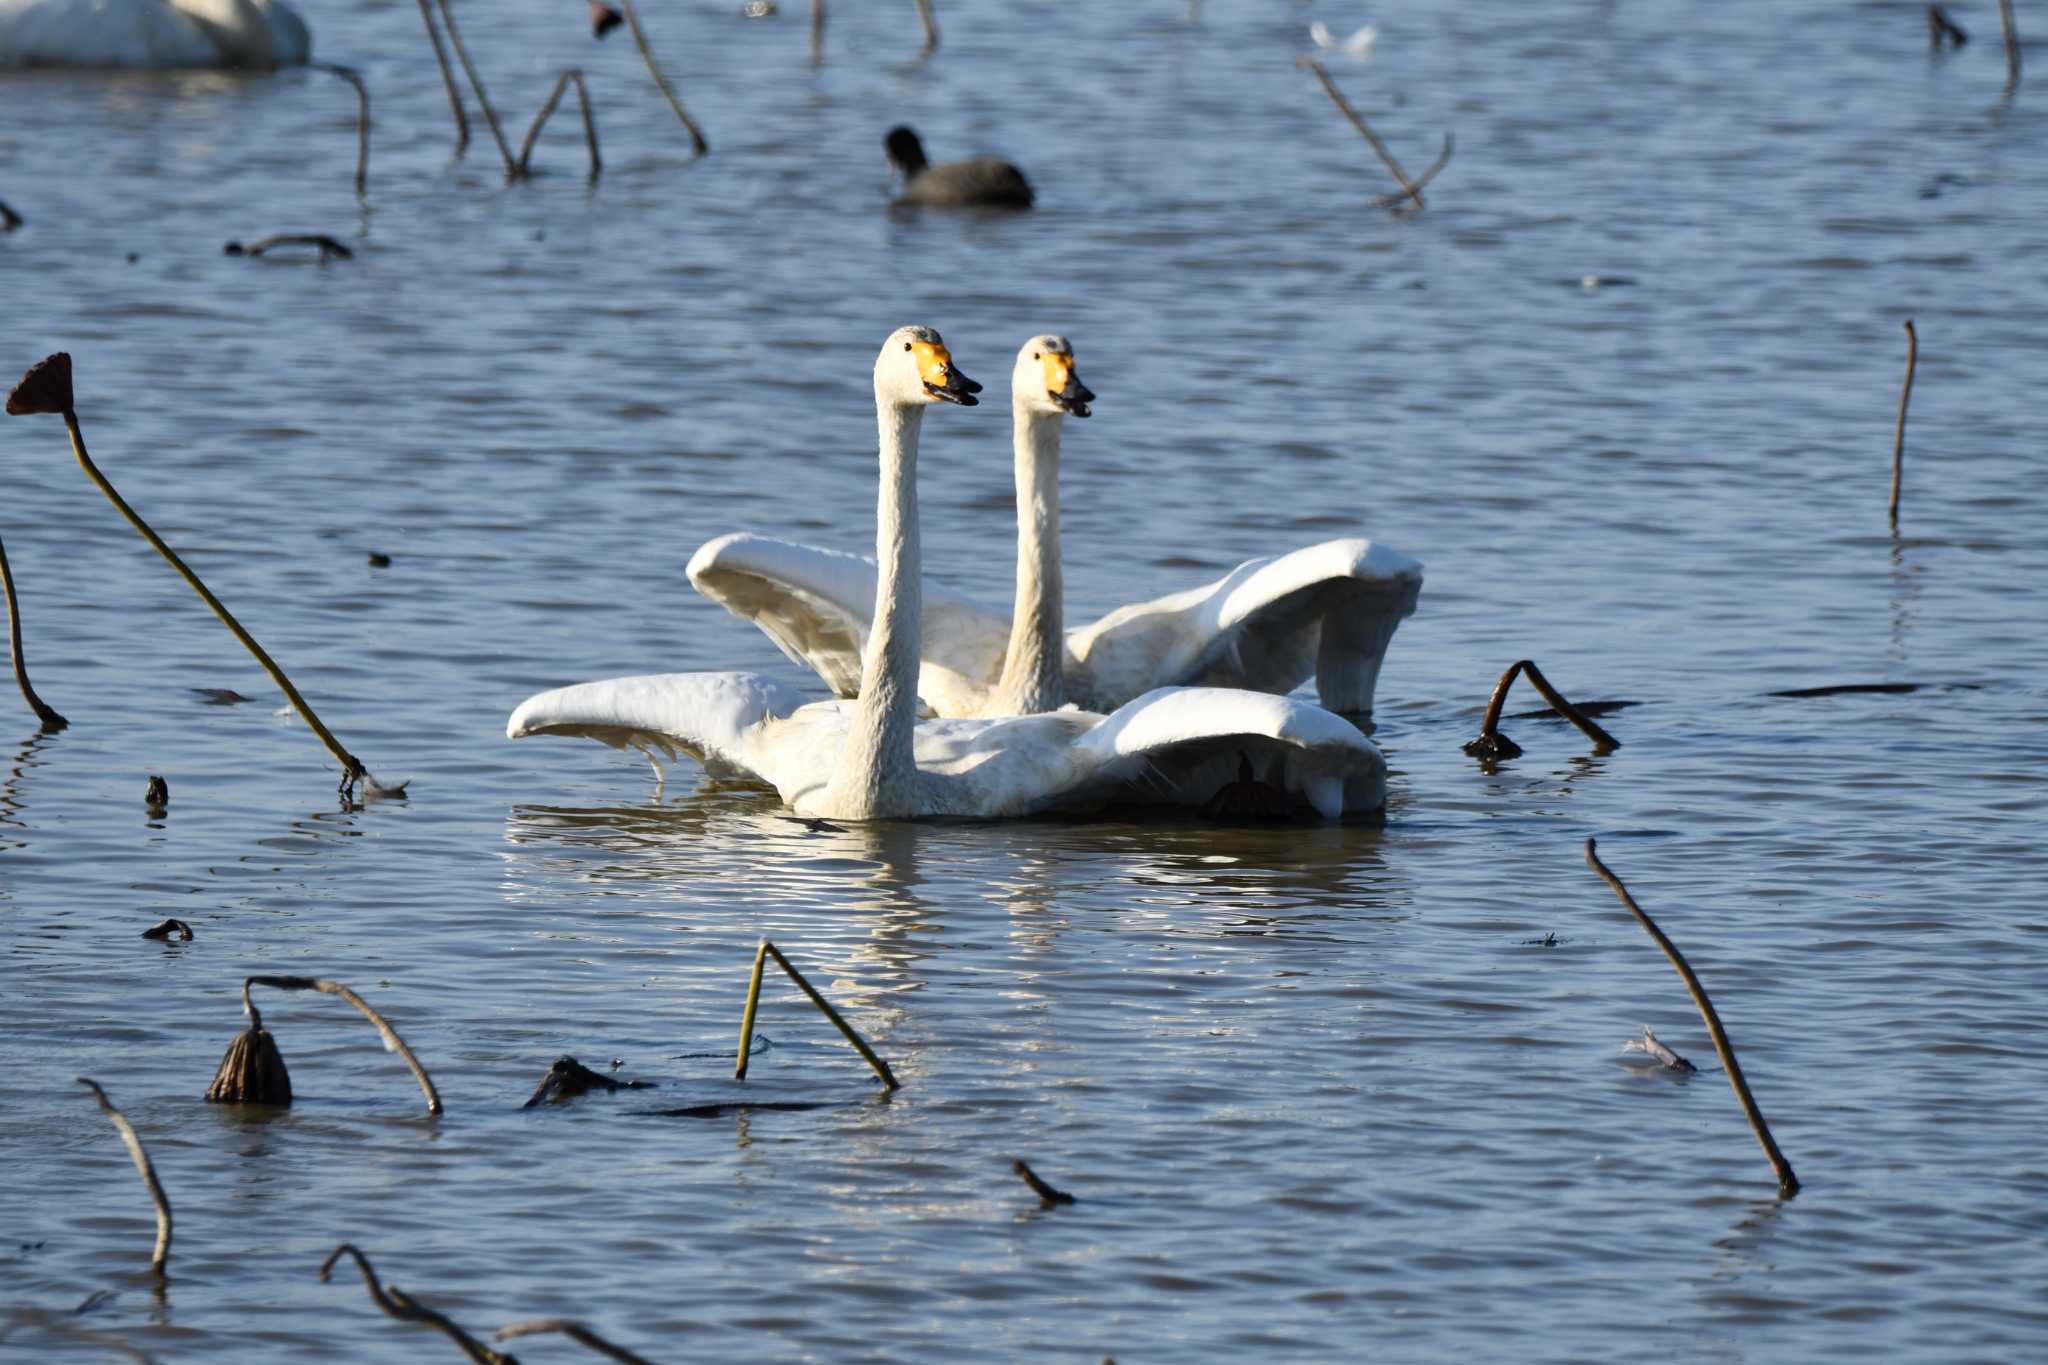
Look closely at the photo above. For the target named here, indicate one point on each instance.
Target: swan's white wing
(1183, 744)
(1329, 608)
(715, 718)
(817, 605)
(102, 33)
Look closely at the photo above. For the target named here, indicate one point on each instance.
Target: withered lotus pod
(253, 1070)
(45, 388)
(603, 18)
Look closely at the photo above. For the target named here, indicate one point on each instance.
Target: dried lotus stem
(447, 78)
(654, 69)
(1788, 1183)
(392, 1041)
(45, 713)
(353, 77)
(768, 950)
(401, 1305)
(1046, 1193)
(1899, 434)
(1648, 1043)
(142, 1164)
(1491, 743)
(476, 84)
(547, 110)
(575, 1331)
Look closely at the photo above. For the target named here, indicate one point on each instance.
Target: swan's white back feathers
(152, 33)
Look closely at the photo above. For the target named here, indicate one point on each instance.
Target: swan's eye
(906, 345)
(1035, 356)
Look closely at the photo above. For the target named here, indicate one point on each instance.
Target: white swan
(872, 759)
(1329, 608)
(152, 33)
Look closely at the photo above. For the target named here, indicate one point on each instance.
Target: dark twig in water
(170, 928)
(392, 1041)
(931, 26)
(1491, 743)
(1409, 188)
(349, 74)
(1899, 436)
(401, 1305)
(1648, 1043)
(9, 219)
(817, 32)
(2012, 46)
(575, 1331)
(45, 713)
(1788, 1183)
(1388, 201)
(326, 245)
(1849, 689)
(1046, 1193)
(148, 1170)
(540, 120)
(814, 824)
(476, 84)
(603, 18)
(447, 78)
(568, 1078)
(654, 69)
(761, 954)
(47, 388)
(1940, 27)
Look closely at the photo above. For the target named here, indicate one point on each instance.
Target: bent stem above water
(390, 1035)
(761, 954)
(1491, 743)
(148, 1170)
(1788, 1183)
(45, 713)
(573, 1330)
(401, 1305)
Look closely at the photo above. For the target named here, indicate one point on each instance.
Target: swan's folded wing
(817, 606)
(708, 716)
(1328, 609)
(1186, 743)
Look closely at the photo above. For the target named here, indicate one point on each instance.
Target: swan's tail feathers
(1184, 745)
(816, 605)
(708, 716)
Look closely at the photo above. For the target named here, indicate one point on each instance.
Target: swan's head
(916, 368)
(1046, 379)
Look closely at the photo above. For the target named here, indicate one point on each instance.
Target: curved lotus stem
(47, 388)
(1788, 1183)
(349, 74)
(1899, 435)
(469, 70)
(768, 950)
(1047, 1194)
(45, 713)
(142, 1164)
(401, 1305)
(931, 27)
(1491, 743)
(548, 109)
(9, 219)
(447, 79)
(654, 69)
(390, 1035)
(1410, 189)
(575, 1331)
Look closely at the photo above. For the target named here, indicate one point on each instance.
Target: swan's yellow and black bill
(1063, 384)
(941, 379)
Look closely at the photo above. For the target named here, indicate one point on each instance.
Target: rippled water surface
(1321, 1091)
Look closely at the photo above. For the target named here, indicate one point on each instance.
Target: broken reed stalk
(931, 26)
(1410, 190)
(45, 713)
(2012, 45)
(477, 85)
(1388, 201)
(768, 950)
(144, 1165)
(1046, 1193)
(392, 1042)
(350, 74)
(1899, 436)
(1788, 1183)
(1493, 744)
(573, 1330)
(447, 78)
(654, 69)
(47, 388)
(817, 36)
(547, 110)
(398, 1304)
(9, 219)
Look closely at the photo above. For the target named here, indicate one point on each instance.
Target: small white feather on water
(1357, 46)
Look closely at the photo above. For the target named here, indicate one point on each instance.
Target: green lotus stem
(384, 1029)
(739, 1071)
(45, 713)
(352, 769)
(1788, 1183)
(142, 1164)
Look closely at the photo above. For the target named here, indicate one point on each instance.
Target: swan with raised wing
(161, 34)
(872, 758)
(1329, 609)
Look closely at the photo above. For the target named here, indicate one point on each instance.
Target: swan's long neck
(875, 777)
(1032, 678)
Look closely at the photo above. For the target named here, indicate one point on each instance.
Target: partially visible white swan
(152, 33)
(872, 759)
(1329, 609)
